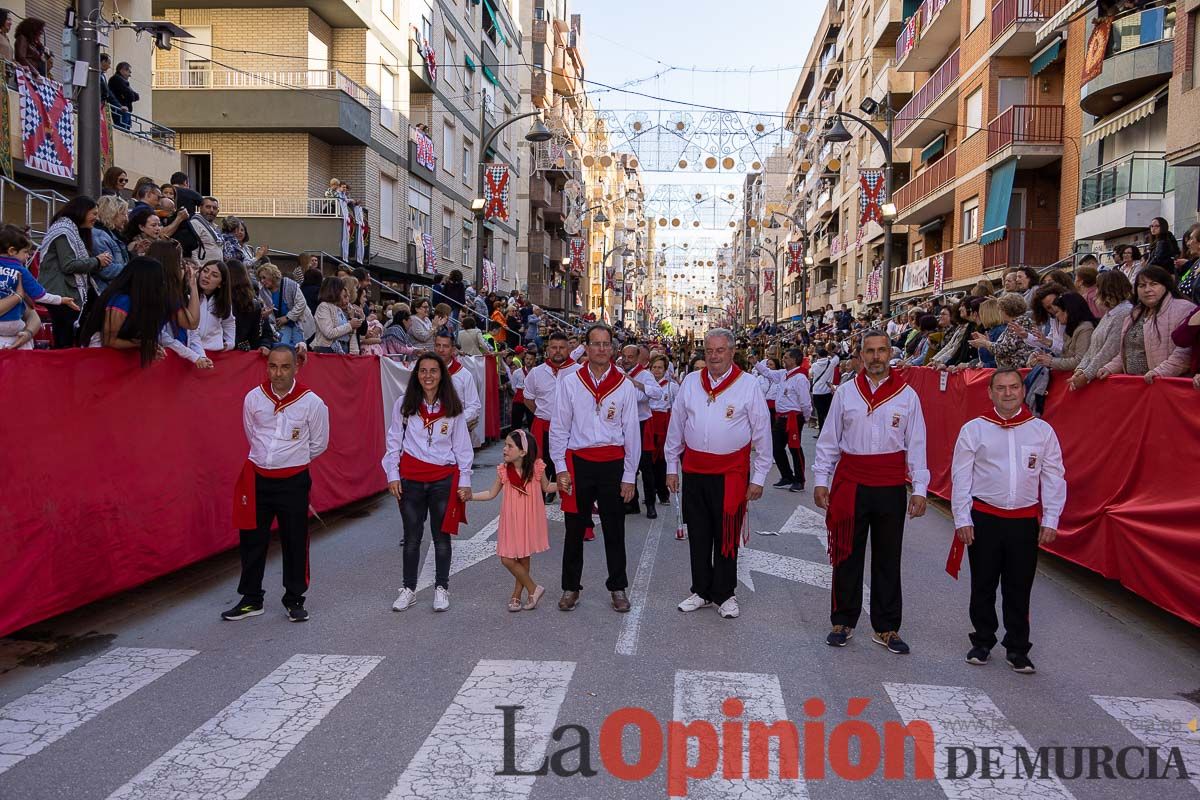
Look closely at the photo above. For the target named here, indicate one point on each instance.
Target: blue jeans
(291, 334)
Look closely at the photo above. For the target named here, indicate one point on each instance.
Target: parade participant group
(709, 436)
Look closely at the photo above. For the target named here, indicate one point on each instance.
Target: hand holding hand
(564, 482)
(464, 493)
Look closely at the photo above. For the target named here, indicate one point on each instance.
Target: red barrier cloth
(491, 406)
(1132, 497)
(127, 474)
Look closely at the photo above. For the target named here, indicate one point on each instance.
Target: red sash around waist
(771, 404)
(735, 467)
(538, 430)
(957, 547)
(519, 396)
(654, 433)
(414, 469)
(245, 494)
(607, 452)
(883, 469)
(793, 428)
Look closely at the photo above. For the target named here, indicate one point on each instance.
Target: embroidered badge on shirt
(728, 412)
(445, 428)
(1032, 461)
(612, 413)
(895, 420)
(295, 434)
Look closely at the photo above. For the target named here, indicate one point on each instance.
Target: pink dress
(522, 529)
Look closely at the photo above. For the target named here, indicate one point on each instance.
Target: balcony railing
(941, 80)
(1141, 28)
(936, 176)
(281, 206)
(918, 22)
(150, 131)
(1022, 247)
(1025, 125)
(1007, 13)
(1139, 174)
(220, 78)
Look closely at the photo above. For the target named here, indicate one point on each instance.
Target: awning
(1046, 57)
(934, 147)
(995, 216)
(930, 227)
(470, 62)
(490, 12)
(1125, 117)
(487, 73)
(1056, 22)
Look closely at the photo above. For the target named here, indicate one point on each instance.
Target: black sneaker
(978, 656)
(241, 611)
(839, 636)
(298, 614)
(782, 483)
(892, 641)
(1021, 663)
(651, 513)
(798, 486)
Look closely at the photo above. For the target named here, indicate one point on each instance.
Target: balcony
(553, 213)
(1015, 25)
(1034, 134)
(914, 278)
(932, 108)
(538, 243)
(1139, 56)
(1123, 196)
(539, 192)
(929, 34)
(281, 206)
(564, 75)
(294, 224)
(889, 22)
(323, 102)
(1022, 247)
(540, 90)
(337, 13)
(422, 158)
(930, 193)
(420, 81)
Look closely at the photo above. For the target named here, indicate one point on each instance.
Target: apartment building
(272, 102)
(1183, 130)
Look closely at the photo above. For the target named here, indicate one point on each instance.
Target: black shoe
(651, 513)
(978, 656)
(664, 499)
(298, 614)
(633, 508)
(550, 497)
(839, 636)
(798, 486)
(1021, 663)
(892, 641)
(241, 611)
(782, 483)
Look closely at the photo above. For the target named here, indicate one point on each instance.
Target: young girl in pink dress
(521, 477)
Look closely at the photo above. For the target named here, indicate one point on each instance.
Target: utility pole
(88, 165)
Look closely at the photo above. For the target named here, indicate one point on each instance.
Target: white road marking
(228, 756)
(31, 723)
(466, 553)
(967, 718)
(1159, 723)
(699, 695)
(787, 567)
(639, 592)
(465, 749)
(805, 520)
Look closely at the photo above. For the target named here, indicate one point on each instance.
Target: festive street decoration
(430, 253)
(938, 264)
(489, 276)
(874, 284)
(1097, 49)
(6, 164)
(871, 196)
(106, 137)
(426, 156)
(495, 192)
(47, 125)
(577, 247)
(795, 252)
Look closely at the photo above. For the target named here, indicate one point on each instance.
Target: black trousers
(1004, 554)
(286, 500)
(779, 440)
(879, 514)
(714, 576)
(596, 482)
(520, 415)
(551, 474)
(418, 501)
(62, 324)
(822, 402)
(649, 473)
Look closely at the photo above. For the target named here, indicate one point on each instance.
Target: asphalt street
(150, 695)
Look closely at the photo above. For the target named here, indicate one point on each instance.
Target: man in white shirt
(824, 377)
(287, 426)
(460, 376)
(718, 416)
(997, 504)
(541, 392)
(596, 445)
(874, 438)
(637, 362)
(792, 407)
(204, 226)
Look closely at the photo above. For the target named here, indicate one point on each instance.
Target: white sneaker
(441, 599)
(694, 603)
(407, 598)
(729, 609)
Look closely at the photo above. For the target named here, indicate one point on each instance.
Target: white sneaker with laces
(694, 603)
(407, 598)
(441, 599)
(729, 609)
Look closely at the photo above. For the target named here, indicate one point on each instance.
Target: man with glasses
(596, 444)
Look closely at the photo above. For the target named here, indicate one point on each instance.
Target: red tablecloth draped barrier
(114, 475)
(1131, 453)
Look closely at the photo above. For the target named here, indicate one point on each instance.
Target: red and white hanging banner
(795, 252)
(495, 192)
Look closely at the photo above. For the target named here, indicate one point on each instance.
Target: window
(970, 220)
(974, 111)
(468, 84)
(468, 163)
(466, 244)
(1193, 29)
(448, 147)
(976, 14)
(387, 207)
(447, 233)
(387, 96)
(448, 65)
(504, 260)
(388, 7)
(418, 208)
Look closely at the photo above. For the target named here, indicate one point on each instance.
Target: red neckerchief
(1022, 416)
(281, 403)
(514, 478)
(890, 387)
(637, 370)
(608, 384)
(455, 366)
(735, 372)
(428, 417)
(664, 381)
(793, 373)
(555, 370)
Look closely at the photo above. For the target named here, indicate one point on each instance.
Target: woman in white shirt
(217, 330)
(428, 467)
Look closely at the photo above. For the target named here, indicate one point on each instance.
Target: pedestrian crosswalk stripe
(465, 749)
(805, 520)
(1159, 723)
(967, 718)
(639, 593)
(226, 757)
(699, 695)
(467, 553)
(793, 569)
(31, 723)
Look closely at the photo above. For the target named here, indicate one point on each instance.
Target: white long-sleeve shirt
(736, 418)
(824, 373)
(645, 378)
(580, 423)
(444, 442)
(516, 378)
(795, 394)
(541, 386)
(468, 393)
(1008, 468)
(896, 425)
(670, 390)
(291, 437)
(213, 334)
